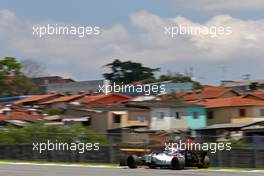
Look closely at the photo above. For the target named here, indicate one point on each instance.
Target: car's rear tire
(205, 164)
(177, 163)
(132, 161)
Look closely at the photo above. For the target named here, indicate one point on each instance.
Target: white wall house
(168, 119)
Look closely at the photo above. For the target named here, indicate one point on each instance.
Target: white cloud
(147, 43)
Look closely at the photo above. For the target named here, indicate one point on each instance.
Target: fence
(246, 152)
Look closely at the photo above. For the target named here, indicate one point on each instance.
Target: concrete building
(112, 119)
(75, 87)
(244, 86)
(234, 110)
(174, 115)
(61, 86)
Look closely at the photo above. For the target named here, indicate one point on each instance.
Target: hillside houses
(198, 112)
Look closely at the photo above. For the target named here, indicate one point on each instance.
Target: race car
(169, 158)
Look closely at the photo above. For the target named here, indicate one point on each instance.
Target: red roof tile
(208, 92)
(66, 98)
(16, 115)
(112, 98)
(2, 117)
(259, 93)
(35, 98)
(230, 102)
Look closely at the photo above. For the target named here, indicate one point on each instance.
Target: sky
(133, 30)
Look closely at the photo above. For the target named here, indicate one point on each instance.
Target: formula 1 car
(170, 158)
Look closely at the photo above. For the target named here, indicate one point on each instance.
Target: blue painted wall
(200, 121)
(178, 87)
(12, 99)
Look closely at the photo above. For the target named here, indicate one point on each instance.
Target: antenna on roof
(246, 76)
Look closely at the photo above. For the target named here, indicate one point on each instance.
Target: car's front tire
(152, 165)
(177, 163)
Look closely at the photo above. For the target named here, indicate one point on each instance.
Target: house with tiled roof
(208, 92)
(25, 116)
(233, 110)
(258, 94)
(19, 116)
(63, 101)
(111, 118)
(118, 121)
(173, 114)
(105, 99)
(37, 99)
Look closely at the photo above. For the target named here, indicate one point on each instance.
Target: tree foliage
(55, 111)
(12, 81)
(128, 72)
(180, 79)
(177, 78)
(32, 68)
(41, 133)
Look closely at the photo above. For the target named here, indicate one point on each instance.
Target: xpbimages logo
(212, 147)
(63, 146)
(145, 89)
(52, 30)
(211, 31)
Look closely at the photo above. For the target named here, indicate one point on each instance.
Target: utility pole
(201, 98)
(224, 70)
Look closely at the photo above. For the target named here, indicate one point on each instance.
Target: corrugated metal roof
(227, 125)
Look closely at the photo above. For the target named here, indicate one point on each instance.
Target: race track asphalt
(44, 170)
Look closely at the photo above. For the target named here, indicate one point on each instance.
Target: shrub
(41, 133)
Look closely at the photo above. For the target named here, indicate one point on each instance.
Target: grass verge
(60, 163)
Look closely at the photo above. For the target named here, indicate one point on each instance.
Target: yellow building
(234, 110)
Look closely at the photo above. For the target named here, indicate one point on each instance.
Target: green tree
(55, 111)
(180, 79)
(9, 67)
(177, 78)
(12, 81)
(128, 72)
(41, 133)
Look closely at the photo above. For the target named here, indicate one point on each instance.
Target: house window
(242, 112)
(177, 115)
(195, 115)
(117, 118)
(141, 118)
(88, 122)
(160, 115)
(7, 113)
(262, 112)
(210, 114)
